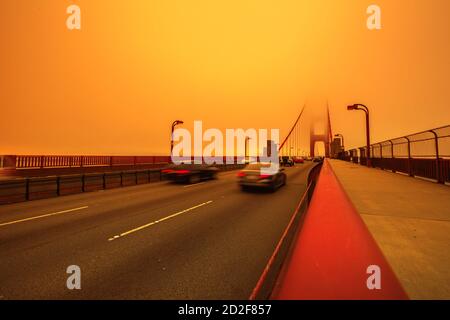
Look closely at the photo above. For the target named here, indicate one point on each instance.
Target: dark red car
(190, 173)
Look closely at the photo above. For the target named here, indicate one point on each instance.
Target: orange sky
(115, 86)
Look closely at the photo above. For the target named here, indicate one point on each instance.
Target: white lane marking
(158, 221)
(191, 185)
(42, 216)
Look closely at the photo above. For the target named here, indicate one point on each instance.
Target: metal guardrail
(424, 154)
(33, 188)
(30, 177)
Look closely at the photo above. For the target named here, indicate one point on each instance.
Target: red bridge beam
(333, 251)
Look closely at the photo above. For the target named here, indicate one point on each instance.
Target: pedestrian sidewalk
(409, 219)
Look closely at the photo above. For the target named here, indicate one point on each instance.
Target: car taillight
(166, 171)
(264, 176)
(182, 171)
(241, 174)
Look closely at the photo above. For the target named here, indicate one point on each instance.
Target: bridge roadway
(212, 241)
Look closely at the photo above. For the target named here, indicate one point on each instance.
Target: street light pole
(358, 106)
(246, 149)
(174, 124)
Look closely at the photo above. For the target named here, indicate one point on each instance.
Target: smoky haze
(115, 86)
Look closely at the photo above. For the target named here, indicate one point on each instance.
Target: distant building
(336, 147)
(270, 148)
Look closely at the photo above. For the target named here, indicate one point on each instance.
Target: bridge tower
(326, 137)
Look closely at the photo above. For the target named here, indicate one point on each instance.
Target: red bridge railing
(33, 162)
(43, 165)
(334, 252)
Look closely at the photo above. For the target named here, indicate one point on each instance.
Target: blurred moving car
(286, 161)
(253, 177)
(317, 159)
(190, 173)
(299, 160)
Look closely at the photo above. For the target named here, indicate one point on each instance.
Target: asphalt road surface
(154, 241)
